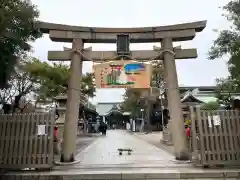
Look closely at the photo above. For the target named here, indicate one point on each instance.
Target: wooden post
(177, 123)
(73, 100)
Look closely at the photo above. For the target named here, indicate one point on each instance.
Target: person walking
(103, 128)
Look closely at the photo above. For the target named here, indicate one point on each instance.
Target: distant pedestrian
(103, 128)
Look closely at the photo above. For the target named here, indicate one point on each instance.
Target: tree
(18, 27)
(41, 81)
(157, 74)
(131, 101)
(53, 79)
(228, 43)
(87, 85)
(20, 85)
(226, 88)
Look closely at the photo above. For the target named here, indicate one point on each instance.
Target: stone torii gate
(78, 35)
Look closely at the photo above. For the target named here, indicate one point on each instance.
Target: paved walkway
(83, 142)
(104, 152)
(100, 160)
(154, 138)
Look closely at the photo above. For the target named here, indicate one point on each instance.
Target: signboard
(122, 74)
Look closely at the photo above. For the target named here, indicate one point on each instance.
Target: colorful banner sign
(122, 74)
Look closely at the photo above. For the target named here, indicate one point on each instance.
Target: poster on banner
(122, 74)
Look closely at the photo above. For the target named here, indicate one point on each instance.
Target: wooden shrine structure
(166, 35)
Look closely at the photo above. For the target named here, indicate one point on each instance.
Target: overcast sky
(138, 13)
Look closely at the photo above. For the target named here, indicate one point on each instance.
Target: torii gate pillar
(174, 102)
(73, 99)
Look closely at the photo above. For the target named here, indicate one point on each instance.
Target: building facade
(111, 114)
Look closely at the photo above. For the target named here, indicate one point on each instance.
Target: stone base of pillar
(67, 159)
(182, 156)
(167, 140)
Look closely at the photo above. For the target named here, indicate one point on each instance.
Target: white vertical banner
(209, 121)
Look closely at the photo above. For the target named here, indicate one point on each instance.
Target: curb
(129, 174)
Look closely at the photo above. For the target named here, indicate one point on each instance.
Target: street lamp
(142, 122)
(161, 85)
(142, 110)
(162, 107)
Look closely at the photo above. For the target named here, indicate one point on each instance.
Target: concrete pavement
(104, 151)
(154, 138)
(81, 143)
(101, 161)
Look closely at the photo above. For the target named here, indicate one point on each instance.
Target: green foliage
(53, 79)
(20, 85)
(228, 43)
(131, 101)
(18, 27)
(157, 73)
(212, 105)
(226, 88)
(87, 85)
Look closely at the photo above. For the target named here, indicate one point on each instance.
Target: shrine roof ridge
(46, 27)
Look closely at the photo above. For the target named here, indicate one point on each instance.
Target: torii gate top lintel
(66, 33)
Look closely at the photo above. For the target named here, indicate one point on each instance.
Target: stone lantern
(62, 103)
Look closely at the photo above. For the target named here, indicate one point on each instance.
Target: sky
(139, 13)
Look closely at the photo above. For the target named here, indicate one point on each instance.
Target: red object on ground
(188, 132)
